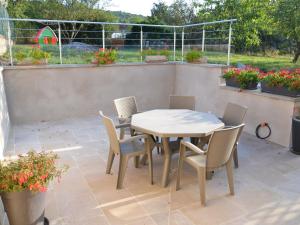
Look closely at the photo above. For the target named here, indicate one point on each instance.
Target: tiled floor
(267, 183)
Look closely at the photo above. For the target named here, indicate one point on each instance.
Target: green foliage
(178, 13)
(105, 56)
(20, 56)
(254, 19)
(288, 21)
(37, 55)
(32, 172)
(193, 55)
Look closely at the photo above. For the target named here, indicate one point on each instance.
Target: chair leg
(157, 147)
(179, 170)
(122, 133)
(144, 159)
(202, 182)
(110, 160)
(235, 157)
(230, 175)
(122, 170)
(136, 161)
(149, 153)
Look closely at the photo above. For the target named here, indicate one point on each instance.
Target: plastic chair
(182, 102)
(234, 115)
(126, 149)
(218, 154)
(125, 107)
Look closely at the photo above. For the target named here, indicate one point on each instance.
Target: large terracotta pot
(25, 207)
(156, 58)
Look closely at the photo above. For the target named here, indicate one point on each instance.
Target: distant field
(75, 56)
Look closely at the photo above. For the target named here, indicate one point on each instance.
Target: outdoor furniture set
(203, 140)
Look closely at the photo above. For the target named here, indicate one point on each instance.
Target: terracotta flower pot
(156, 58)
(25, 207)
(202, 60)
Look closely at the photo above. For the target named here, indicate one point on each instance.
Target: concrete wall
(4, 128)
(205, 83)
(4, 117)
(53, 93)
(40, 94)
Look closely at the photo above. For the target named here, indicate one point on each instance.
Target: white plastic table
(166, 123)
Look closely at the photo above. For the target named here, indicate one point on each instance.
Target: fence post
(203, 39)
(9, 43)
(141, 43)
(59, 43)
(103, 37)
(182, 44)
(174, 50)
(229, 44)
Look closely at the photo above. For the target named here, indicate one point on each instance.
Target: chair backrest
(182, 102)
(126, 107)
(234, 114)
(221, 145)
(112, 134)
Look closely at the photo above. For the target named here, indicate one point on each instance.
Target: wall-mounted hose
(264, 124)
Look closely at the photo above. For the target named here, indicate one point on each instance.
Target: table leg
(167, 162)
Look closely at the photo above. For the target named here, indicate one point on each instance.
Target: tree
(80, 10)
(288, 21)
(254, 18)
(178, 13)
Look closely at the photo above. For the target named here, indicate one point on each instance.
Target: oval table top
(176, 123)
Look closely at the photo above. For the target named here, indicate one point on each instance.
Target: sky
(141, 7)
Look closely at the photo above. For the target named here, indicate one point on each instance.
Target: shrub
(20, 56)
(193, 55)
(32, 172)
(37, 55)
(105, 56)
(244, 76)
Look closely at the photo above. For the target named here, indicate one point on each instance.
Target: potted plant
(244, 78)
(195, 56)
(105, 56)
(20, 56)
(283, 82)
(156, 56)
(23, 185)
(39, 56)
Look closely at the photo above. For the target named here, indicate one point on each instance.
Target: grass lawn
(74, 56)
(262, 62)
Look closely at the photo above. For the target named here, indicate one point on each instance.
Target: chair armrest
(134, 138)
(193, 147)
(122, 125)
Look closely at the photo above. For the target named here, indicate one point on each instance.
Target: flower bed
(244, 78)
(283, 82)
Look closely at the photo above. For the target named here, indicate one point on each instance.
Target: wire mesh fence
(76, 42)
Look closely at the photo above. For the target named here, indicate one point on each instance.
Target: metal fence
(75, 42)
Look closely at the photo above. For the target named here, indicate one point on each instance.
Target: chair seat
(196, 160)
(134, 147)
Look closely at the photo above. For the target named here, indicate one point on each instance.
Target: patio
(266, 183)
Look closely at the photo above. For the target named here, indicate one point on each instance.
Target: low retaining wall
(212, 95)
(4, 128)
(43, 94)
(4, 116)
(52, 93)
